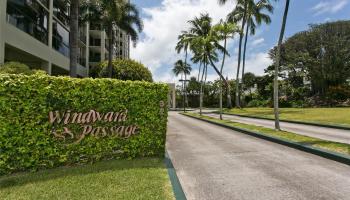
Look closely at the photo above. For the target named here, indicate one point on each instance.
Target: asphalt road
(331, 134)
(217, 163)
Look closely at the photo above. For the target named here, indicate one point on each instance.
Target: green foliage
(320, 54)
(26, 141)
(19, 68)
(15, 68)
(145, 178)
(258, 103)
(123, 70)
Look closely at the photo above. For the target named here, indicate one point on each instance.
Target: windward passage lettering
(86, 121)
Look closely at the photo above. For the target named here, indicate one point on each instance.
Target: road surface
(217, 163)
(331, 134)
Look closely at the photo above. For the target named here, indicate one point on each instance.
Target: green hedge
(123, 69)
(27, 140)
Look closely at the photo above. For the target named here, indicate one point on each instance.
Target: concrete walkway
(217, 163)
(331, 134)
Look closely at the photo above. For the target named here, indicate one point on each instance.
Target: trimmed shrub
(258, 103)
(15, 68)
(32, 138)
(19, 68)
(123, 70)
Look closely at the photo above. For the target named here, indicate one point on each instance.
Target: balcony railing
(95, 59)
(96, 27)
(26, 23)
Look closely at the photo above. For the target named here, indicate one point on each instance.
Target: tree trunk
(185, 90)
(222, 67)
(201, 92)
(74, 38)
(186, 101)
(244, 53)
(239, 57)
(278, 60)
(183, 94)
(229, 100)
(199, 71)
(110, 49)
(218, 72)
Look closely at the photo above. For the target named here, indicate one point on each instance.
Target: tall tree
(255, 17)
(239, 14)
(184, 69)
(74, 37)
(112, 15)
(183, 44)
(225, 30)
(200, 27)
(277, 65)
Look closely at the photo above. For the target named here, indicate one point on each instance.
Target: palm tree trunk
(183, 94)
(244, 53)
(218, 72)
(222, 67)
(74, 38)
(229, 102)
(239, 57)
(186, 101)
(201, 92)
(185, 90)
(278, 60)
(110, 49)
(199, 71)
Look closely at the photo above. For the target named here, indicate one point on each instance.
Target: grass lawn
(333, 116)
(120, 179)
(315, 142)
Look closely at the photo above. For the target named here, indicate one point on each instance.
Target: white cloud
(330, 6)
(162, 26)
(257, 63)
(258, 41)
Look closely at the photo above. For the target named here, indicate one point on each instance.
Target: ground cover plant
(331, 116)
(145, 178)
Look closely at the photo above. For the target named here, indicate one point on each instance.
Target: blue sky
(165, 19)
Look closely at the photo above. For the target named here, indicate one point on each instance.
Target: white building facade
(36, 33)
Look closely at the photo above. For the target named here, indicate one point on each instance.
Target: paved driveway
(217, 163)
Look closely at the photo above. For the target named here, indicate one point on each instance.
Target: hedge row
(121, 119)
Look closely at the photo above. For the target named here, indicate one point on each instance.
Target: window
(46, 3)
(95, 42)
(30, 17)
(61, 11)
(60, 38)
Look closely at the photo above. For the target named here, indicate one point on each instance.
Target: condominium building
(36, 32)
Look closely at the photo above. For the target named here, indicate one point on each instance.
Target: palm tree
(225, 30)
(210, 45)
(255, 17)
(239, 14)
(74, 37)
(184, 69)
(184, 41)
(200, 27)
(277, 65)
(201, 57)
(112, 15)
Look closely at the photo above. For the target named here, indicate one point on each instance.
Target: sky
(165, 19)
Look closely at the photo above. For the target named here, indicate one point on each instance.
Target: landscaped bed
(145, 178)
(328, 116)
(305, 140)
